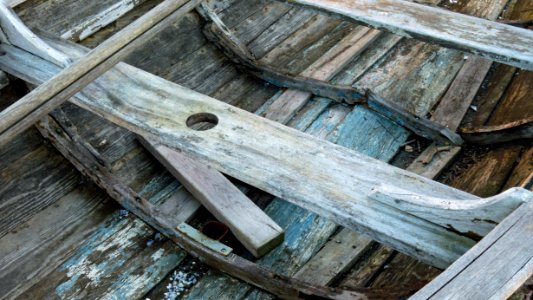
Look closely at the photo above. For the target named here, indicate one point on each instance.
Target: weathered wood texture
(514, 45)
(252, 227)
(504, 257)
(45, 98)
(238, 161)
(14, 32)
(74, 20)
(4, 81)
(430, 163)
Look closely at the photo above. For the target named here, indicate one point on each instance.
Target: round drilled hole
(202, 121)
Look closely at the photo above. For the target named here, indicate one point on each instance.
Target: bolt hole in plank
(202, 121)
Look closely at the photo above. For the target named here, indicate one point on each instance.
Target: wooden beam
(503, 257)
(272, 157)
(251, 226)
(492, 40)
(76, 76)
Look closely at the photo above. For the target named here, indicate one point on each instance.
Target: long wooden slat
(503, 257)
(277, 159)
(64, 85)
(495, 41)
(252, 227)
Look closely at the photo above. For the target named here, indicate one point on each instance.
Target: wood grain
(164, 120)
(501, 277)
(513, 45)
(252, 227)
(45, 98)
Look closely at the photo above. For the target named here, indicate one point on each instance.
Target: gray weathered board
(494, 268)
(241, 138)
(495, 41)
(252, 227)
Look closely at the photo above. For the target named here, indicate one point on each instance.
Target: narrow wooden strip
(4, 81)
(489, 98)
(517, 130)
(325, 68)
(237, 153)
(16, 33)
(13, 3)
(504, 257)
(465, 86)
(433, 160)
(513, 46)
(337, 256)
(46, 97)
(252, 227)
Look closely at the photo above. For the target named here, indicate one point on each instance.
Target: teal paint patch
(370, 134)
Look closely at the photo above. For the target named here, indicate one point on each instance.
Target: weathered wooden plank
(273, 181)
(457, 215)
(305, 231)
(523, 169)
(328, 264)
(465, 86)
(489, 98)
(332, 62)
(504, 257)
(513, 45)
(52, 235)
(32, 177)
(252, 227)
(486, 176)
(103, 18)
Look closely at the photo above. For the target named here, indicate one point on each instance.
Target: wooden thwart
(252, 227)
(492, 40)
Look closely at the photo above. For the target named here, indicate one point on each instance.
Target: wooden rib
(262, 153)
(75, 77)
(251, 226)
(501, 275)
(513, 46)
(517, 130)
(279, 285)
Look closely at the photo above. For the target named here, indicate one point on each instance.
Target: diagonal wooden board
(492, 40)
(320, 176)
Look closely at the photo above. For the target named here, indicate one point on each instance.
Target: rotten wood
(514, 46)
(236, 153)
(76, 76)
